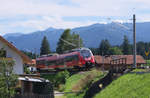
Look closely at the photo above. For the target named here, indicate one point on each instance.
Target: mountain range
(91, 35)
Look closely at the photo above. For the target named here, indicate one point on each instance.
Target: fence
(34, 96)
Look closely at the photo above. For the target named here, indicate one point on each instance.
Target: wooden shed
(35, 87)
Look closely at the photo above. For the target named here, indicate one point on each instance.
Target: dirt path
(58, 94)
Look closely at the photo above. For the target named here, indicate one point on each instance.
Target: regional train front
(86, 57)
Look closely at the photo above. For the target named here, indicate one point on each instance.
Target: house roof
(25, 58)
(32, 79)
(129, 59)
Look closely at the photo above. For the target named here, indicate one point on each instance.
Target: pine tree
(141, 48)
(126, 47)
(45, 49)
(104, 48)
(68, 41)
(77, 40)
(62, 46)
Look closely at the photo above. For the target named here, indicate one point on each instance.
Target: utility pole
(134, 41)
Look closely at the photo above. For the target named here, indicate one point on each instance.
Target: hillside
(91, 35)
(32, 41)
(133, 85)
(80, 82)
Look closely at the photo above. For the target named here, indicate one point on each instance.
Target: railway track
(121, 69)
(72, 71)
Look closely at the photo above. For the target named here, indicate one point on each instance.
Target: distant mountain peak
(50, 29)
(91, 35)
(12, 34)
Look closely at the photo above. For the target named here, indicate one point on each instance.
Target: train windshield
(85, 53)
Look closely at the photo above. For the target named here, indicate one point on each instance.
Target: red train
(75, 58)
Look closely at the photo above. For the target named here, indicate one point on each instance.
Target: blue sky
(31, 15)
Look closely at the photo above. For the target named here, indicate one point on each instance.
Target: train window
(71, 58)
(68, 59)
(40, 62)
(76, 57)
(60, 62)
(51, 62)
(85, 53)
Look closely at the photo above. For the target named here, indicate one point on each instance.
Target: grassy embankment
(80, 83)
(135, 84)
(148, 62)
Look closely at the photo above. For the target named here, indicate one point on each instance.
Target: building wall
(18, 67)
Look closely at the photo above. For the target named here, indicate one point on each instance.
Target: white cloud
(52, 12)
(83, 8)
(54, 21)
(41, 24)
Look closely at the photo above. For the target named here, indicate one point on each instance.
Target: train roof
(48, 55)
(83, 48)
(59, 56)
(70, 53)
(77, 49)
(55, 57)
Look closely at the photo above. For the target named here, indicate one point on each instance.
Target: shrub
(61, 87)
(26, 70)
(8, 79)
(61, 77)
(57, 79)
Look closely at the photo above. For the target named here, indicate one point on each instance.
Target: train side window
(48, 63)
(71, 58)
(51, 63)
(76, 57)
(61, 62)
(40, 62)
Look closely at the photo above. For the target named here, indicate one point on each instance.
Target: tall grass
(133, 85)
(80, 82)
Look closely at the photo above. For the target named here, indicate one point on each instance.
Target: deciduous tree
(8, 79)
(115, 51)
